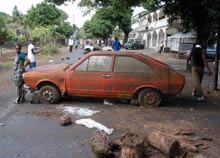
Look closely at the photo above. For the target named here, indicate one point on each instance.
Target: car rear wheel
(49, 94)
(149, 98)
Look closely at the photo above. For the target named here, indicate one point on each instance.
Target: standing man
(116, 45)
(198, 62)
(70, 44)
(31, 54)
(20, 63)
(76, 42)
(161, 46)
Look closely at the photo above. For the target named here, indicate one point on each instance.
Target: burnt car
(105, 74)
(134, 45)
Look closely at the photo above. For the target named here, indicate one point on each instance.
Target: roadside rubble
(154, 145)
(93, 124)
(78, 111)
(66, 118)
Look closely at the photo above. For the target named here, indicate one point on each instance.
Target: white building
(153, 27)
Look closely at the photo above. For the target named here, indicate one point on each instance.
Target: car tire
(88, 50)
(49, 94)
(149, 98)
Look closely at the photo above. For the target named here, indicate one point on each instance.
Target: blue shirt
(116, 45)
(21, 55)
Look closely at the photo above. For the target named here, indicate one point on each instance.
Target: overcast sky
(74, 12)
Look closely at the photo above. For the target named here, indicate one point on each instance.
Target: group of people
(71, 43)
(21, 61)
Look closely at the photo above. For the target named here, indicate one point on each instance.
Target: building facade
(153, 27)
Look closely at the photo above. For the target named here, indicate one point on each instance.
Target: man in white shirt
(31, 55)
(70, 44)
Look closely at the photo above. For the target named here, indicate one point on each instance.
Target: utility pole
(217, 56)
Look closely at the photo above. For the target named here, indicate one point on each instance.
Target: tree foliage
(2, 30)
(66, 29)
(119, 12)
(98, 27)
(197, 15)
(44, 15)
(194, 15)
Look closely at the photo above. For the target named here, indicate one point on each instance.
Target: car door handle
(106, 76)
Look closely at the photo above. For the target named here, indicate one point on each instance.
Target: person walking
(31, 54)
(70, 44)
(161, 46)
(116, 45)
(20, 63)
(76, 42)
(198, 62)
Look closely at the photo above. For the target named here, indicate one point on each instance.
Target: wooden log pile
(131, 145)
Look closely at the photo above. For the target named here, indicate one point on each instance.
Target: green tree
(119, 12)
(86, 29)
(98, 28)
(42, 34)
(44, 15)
(11, 35)
(66, 29)
(2, 30)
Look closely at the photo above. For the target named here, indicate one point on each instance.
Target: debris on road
(65, 119)
(100, 144)
(129, 145)
(2, 124)
(155, 144)
(165, 144)
(93, 124)
(78, 111)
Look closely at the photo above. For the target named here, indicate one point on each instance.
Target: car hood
(52, 67)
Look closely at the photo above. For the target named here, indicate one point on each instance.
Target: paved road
(33, 130)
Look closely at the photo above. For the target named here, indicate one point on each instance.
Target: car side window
(96, 63)
(82, 66)
(100, 63)
(131, 65)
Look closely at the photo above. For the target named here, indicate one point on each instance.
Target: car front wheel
(88, 50)
(149, 98)
(49, 94)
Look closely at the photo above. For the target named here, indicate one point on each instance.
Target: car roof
(115, 53)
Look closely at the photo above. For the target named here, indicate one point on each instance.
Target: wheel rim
(47, 96)
(150, 98)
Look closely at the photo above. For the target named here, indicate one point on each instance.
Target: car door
(129, 74)
(91, 78)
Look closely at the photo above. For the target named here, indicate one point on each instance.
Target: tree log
(100, 144)
(132, 146)
(165, 144)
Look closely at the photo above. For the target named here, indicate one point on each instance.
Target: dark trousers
(20, 94)
(70, 48)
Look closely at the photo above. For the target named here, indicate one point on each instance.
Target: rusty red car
(121, 75)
